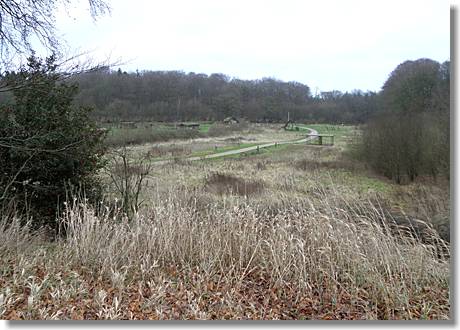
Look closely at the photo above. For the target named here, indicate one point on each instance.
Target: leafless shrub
(128, 179)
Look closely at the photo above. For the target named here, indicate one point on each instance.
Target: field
(290, 232)
(153, 132)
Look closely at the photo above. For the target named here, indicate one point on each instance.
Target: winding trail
(246, 149)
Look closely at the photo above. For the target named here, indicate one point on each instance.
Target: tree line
(177, 96)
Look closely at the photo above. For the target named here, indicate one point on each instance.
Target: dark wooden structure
(289, 125)
(321, 139)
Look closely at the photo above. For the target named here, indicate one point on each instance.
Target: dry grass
(177, 260)
(221, 183)
(429, 202)
(302, 243)
(315, 164)
(168, 151)
(127, 136)
(15, 236)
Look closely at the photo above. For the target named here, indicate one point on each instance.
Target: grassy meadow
(292, 232)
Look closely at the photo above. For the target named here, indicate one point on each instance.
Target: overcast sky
(327, 45)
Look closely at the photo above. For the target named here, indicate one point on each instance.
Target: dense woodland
(178, 96)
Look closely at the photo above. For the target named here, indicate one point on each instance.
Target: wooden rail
(321, 138)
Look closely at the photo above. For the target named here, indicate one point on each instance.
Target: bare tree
(128, 177)
(22, 21)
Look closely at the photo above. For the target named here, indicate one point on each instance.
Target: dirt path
(242, 150)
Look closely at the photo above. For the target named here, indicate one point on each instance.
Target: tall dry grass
(321, 249)
(13, 236)
(350, 247)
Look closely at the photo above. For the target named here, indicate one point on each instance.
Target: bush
(403, 147)
(46, 145)
(410, 137)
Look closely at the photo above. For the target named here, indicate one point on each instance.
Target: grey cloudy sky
(341, 45)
